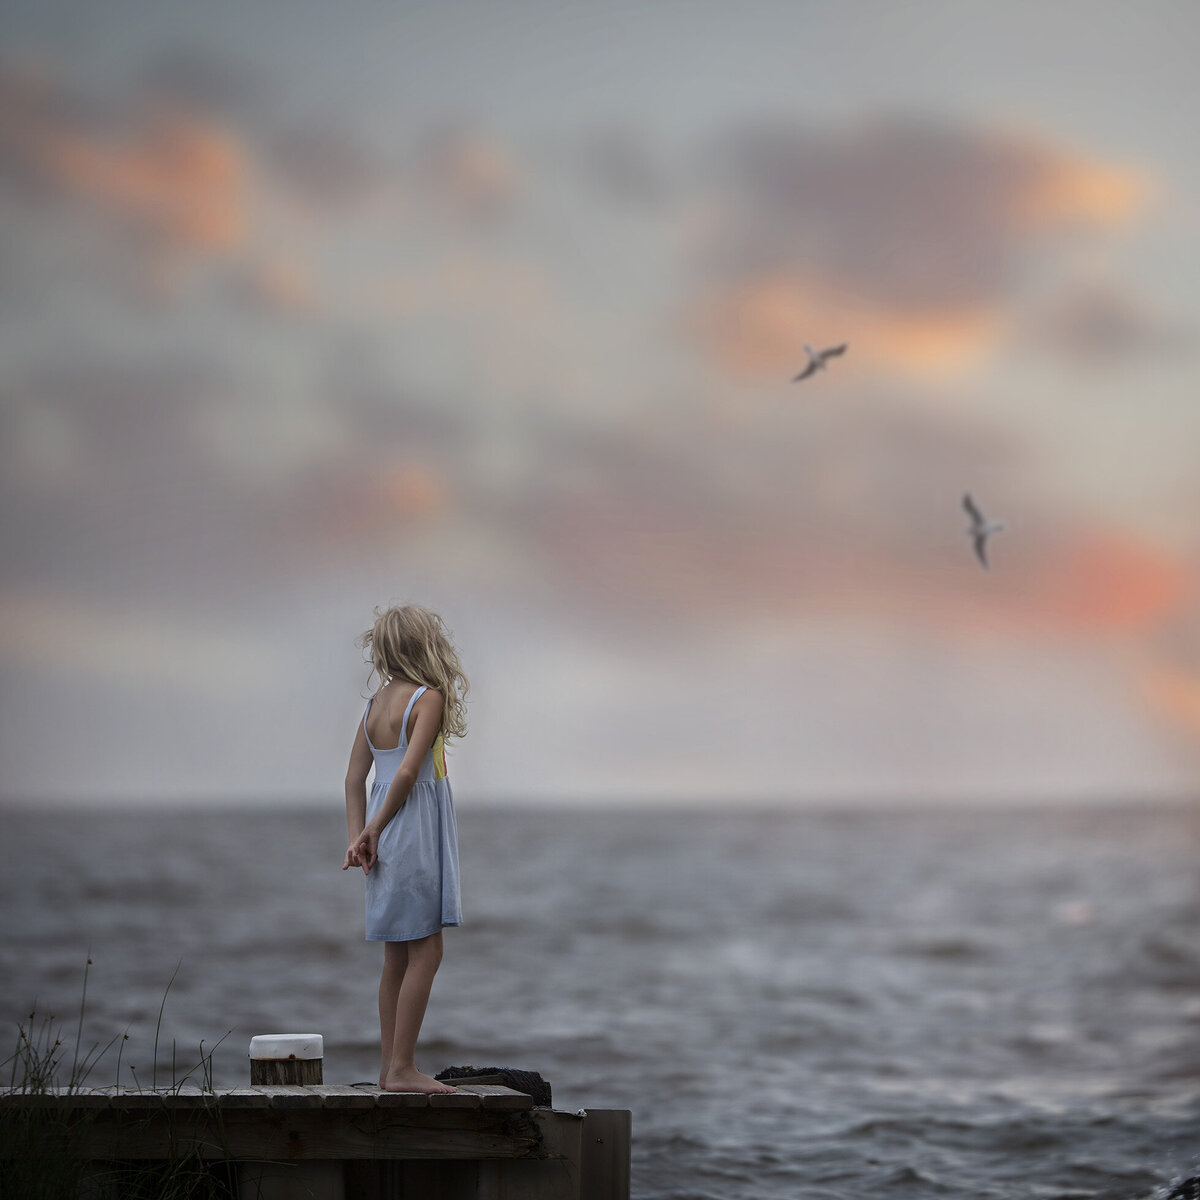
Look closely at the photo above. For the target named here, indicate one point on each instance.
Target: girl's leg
(412, 997)
(395, 961)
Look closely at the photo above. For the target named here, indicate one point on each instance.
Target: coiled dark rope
(529, 1082)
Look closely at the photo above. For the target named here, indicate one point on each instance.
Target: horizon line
(622, 802)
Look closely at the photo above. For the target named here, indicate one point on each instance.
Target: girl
(405, 839)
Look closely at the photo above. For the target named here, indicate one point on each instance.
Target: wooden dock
(330, 1142)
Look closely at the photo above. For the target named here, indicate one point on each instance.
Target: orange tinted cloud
(337, 505)
(1068, 189)
(1174, 693)
(1113, 582)
(907, 238)
(410, 490)
(173, 176)
(181, 178)
(753, 329)
(641, 544)
(1089, 583)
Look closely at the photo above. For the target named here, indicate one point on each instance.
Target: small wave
(1179, 1189)
(810, 908)
(907, 1178)
(949, 948)
(634, 927)
(1180, 958)
(902, 1127)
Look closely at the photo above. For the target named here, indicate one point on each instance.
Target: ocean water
(887, 1004)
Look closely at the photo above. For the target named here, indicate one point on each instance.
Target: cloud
(111, 480)
(70, 635)
(621, 163)
(847, 513)
(281, 284)
(467, 173)
(908, 236)
(189, 182)
(1174, 694)
(98, 433)
(340, 510)
(1169, 678)
(172, 178)
(186, 165)
(200, 81)
(328, 168)
(1100, 580)
(1099, 322)
(755, 327)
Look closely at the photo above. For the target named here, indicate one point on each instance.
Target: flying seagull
(981, 529)
(816, 359)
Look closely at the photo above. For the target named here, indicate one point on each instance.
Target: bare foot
(413, 1080)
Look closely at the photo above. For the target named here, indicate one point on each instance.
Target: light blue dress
(412, 890)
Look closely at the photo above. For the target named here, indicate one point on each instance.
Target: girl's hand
(351, 858)
(365, 849)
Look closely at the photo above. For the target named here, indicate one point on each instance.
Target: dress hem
(412, 937)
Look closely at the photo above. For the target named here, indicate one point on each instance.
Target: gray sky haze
(495, 308)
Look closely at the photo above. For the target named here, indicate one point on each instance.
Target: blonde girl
(404, 837)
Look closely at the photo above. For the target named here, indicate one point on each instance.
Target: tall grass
(42, 1136)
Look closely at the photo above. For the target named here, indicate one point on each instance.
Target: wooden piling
(287, 1058)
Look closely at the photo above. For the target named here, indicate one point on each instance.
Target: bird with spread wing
(818, 358)
(980, 529)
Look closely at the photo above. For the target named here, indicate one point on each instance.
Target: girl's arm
(426, 721)
(356, 794)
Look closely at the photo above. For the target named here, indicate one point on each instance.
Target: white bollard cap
(287, 1045)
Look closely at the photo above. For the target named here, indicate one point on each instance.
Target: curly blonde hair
(411, 642)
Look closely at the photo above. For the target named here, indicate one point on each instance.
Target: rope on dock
(529, 1082)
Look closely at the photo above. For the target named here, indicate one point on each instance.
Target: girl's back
(387, 713)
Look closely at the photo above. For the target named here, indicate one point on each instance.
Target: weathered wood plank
(143, 1098)
(59, 1097)
(89, 1099)
(463, 1098)
(293, 1096)
(401, 1099)
(496, 1097)
(247, 1097)
(484, 1143)
(556, 1176)
(189, 1096)
(605, 1144)
(335, 1095)
(290, 1135)
(283, 1096)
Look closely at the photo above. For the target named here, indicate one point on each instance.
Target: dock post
(606, 1136)
(553, 1177)
(289, 1059)
(286, 1058)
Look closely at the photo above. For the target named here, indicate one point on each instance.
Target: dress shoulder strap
(408, 709)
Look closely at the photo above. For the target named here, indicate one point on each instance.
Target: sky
(495, 307)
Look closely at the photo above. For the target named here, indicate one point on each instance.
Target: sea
(812, 1005)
